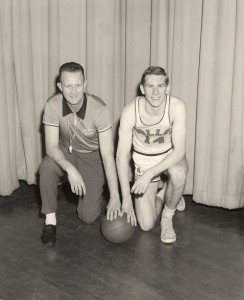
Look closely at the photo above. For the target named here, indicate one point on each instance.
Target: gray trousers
(91, 169)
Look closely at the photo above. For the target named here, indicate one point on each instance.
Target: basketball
(118, 230)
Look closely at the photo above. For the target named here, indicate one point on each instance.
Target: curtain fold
(199, 43)
(23, 62)
(100, 49)
(218, 173)
(11, 145)
(161, 44)
(183, 68)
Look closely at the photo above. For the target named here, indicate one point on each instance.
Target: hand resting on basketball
(113, 208)
(76, 182)
(117, 231)
(127, 207)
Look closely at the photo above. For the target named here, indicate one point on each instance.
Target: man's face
(154, 89)
(72, 86)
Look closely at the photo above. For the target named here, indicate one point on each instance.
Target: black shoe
(49, 235)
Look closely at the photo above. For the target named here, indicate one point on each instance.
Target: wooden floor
(206, 262)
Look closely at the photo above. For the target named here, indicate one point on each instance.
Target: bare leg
(176, 183)
(160, 197)
(145, 206)
(175, 188)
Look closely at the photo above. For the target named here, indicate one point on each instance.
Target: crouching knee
(48, 167)
(86, 217)
(146, 225)
(44, 166)
(178, 174)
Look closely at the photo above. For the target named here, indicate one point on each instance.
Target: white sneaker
(181, 205)
(167, 232)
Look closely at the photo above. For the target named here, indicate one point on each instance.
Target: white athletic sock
(51, 219)
(167, 212)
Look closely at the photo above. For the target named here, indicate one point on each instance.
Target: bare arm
(52, 149)
(178, 117)
(127, 122)
(107, 152)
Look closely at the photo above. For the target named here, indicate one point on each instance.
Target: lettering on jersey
(139, 170)
(159, 137)
(89, 131)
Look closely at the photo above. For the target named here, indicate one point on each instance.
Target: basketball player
(78, 138)
(155, 125)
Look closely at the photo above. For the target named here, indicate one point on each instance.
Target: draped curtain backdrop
(199, 42)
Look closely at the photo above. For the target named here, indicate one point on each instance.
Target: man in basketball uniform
(78, 138)
(154, 126)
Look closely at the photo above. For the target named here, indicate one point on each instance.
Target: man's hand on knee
(76, 182)
(141, 185)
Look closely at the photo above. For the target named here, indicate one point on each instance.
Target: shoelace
(167, 226)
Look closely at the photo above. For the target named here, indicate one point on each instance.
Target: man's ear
(168, 89)
(85, 84)
(59, 86)
(142, 89)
